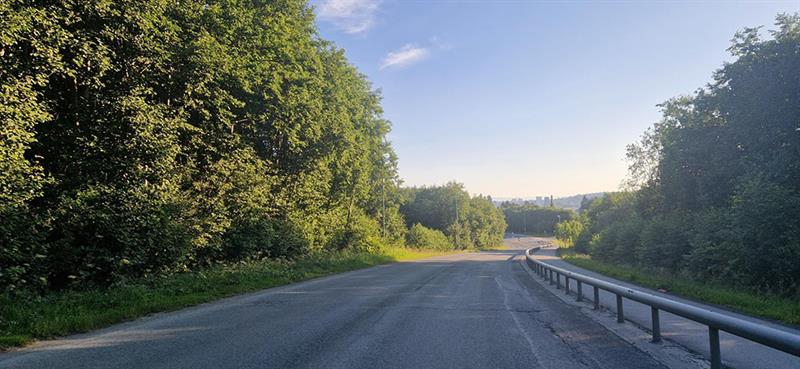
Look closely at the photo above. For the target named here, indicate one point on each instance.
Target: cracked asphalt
(478, 310)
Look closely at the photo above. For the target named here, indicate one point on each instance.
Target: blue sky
(527, 98)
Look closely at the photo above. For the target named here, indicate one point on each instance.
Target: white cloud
(351, 16)
(407, 55)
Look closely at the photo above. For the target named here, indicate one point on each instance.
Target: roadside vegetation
(156, 154)
(534, 220)
(28, 317)
(467, 222)
(714, 189)
(773, 307)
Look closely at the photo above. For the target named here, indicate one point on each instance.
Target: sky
(531, 98)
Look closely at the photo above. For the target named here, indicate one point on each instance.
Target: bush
(603, 243)
(569, 231)
(627, 241)
(713, 244)
(422, 237)
(582, 243)
(459, 236)
(22, 250)
(395, 230)
(664, 242)
(764, 218)
(363, 234)
(259, 236)
(103, 235)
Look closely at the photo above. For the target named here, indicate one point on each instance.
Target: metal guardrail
(765, 335)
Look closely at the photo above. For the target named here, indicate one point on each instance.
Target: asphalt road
(463, 311)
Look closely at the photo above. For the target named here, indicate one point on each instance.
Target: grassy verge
(405, 254)
(781, 309)
(496, 248)
(25, 318)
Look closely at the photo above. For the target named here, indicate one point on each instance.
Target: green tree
(156, 135)
(467, 221)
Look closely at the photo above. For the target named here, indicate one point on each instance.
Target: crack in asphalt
(519, 326)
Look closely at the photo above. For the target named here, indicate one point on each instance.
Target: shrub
(569, 231)
(362, 234)
(582, 243)
(628, 234)
(764, 218)
(664, 242)
(713, 244)
(22, 250)
(420, 237)
(459, 236)
(103, 235)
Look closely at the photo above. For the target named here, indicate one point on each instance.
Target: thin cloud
(351, 16)
(407, 55)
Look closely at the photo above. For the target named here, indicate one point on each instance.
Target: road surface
(478, 310)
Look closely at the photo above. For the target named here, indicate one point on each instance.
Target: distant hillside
(574, 202)
(569, 202)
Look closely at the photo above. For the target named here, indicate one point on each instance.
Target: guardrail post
(656, 325)
(716, 357)
(750, 330)
(566, 284)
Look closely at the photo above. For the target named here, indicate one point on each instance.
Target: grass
(785, 310)
(26, 318)
(405, 254)
(496, 248)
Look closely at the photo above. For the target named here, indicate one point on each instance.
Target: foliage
(533, 219)
(22, 250)
(764, 229)
(152, 136)
(467, 221)
(363, 234)
(24, 317)
(767, 305)
(569, 231)
(422, 237)
(715, 185)
(105, 234)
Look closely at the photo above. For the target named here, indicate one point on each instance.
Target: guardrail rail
(765, 335)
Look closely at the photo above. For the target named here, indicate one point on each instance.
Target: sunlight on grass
(496, 248)
(407, 254)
